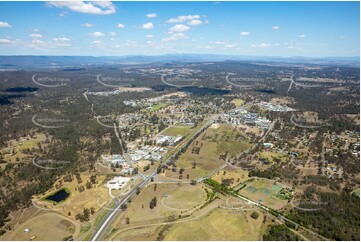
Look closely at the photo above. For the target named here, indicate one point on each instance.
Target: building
(117, 182)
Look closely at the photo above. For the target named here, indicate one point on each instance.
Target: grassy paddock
(177, 130)
(218, 225)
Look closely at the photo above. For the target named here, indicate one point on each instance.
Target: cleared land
(220, 224)
(206, 150)
(48, 226)
(264, 191)
(172, 200)
(236, 174)
(158, 106)
(177, 130)
(238, 102)
(77, 201)
(15, 148)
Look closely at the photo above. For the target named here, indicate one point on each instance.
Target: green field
(158, 106)
(177, 130)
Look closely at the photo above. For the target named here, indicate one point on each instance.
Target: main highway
(112, 214)
(109, 218)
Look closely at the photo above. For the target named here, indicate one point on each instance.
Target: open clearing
(158, 106)
(238, 102)
(236, 174)
(220, 224)
(177, 130)
(77, 201)
(207, 149)
(15, 148)
(263, 190)
(172, 200)
(48, 226)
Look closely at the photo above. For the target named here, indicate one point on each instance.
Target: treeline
(337, 219)
(280, 233)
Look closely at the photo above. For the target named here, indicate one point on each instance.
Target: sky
(313, 29)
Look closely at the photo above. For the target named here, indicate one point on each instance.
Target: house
(268, 145)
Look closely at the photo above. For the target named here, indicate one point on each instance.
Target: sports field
(264, 191)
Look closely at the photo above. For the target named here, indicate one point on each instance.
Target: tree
(88, 185)
(254, 215)
(153, 203)
(193, 182)
(127, 220)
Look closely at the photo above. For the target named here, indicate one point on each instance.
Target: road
(109, 218)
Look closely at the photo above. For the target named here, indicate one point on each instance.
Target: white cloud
(181, 19)
(100, 7)
(217, 42)
(148, 25)
(149, 36)
(5, 41)
(36, 35)
(230, 46)
(151, 15)
(302, 36)
(244, 33)
(38, 42)
(175, 36)
(63, 14)
(276, 27)
(195, 22)
(5, 25)
(61, 41)
(121, 26)
(97, 43)
(88, 25)
(179, 28)
(264, 45)
(97, 34)
(112, 34)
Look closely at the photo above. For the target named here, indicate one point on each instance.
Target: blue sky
(154, 28)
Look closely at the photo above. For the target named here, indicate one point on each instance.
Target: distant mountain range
(55, 62)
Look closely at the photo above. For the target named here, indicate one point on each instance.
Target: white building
(117, 182)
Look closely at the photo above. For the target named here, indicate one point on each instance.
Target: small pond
(59, 196)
